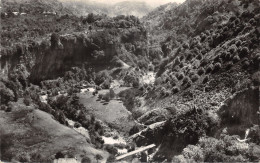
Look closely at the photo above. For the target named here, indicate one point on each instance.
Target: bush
(229, 65)
(55, 39)
(236, 59)
(111, 149)
(232, 49)
(246, 64)
(27, 101)
(204, 62)
(194, 78)
(209, 68)
(111, 159)
(217, 67)
(180, 76)
(244, 52)
(201, 71)
(228, 56)
(206, 79)
(111, 93)
(9, 109)
(199, 57)
(106, 97)
(167, 93)
(59, 155)
(192, 152)
(256, 78)
(25, 157)
(163, 91)
(134, 130)
(86, 159)
(186, 80)
(77, 125)
(175, 90)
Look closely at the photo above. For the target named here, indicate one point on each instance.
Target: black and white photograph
(129, 81)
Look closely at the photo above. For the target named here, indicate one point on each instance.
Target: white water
(87, 90)
(110, 140)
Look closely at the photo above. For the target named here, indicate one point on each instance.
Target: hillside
(183, 80)
(138, 9)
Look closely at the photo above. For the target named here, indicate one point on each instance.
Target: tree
(112, 93)
(55, 39)
(86, 160)
(90, 18)
(98, 157)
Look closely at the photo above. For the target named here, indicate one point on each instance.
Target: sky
(154, 3)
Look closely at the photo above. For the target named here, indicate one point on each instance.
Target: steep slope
(31, 135)
(210, 52)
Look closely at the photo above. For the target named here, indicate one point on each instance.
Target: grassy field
(112, 113)
(32, 134)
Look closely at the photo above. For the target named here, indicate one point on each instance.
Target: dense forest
(93, 87)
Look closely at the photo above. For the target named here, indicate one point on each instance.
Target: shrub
(55, 39)
(111, 159)
(194, 78)
(256, 78)
(257, 58)
(77, 125)
(86, 159)
(209, 68)
(246, 64)
(111, 93)
(59, 155)
(167, 93)
(201, 71)
(206, 79)
(9, 109)
(189, 56)
(204, 62)
(229, 65)
(180, 76)
(163, 91)
(27, 101)
(238, 43)
(25, 157)
(244, 52)
(227, 56)
(177, 61)
(6, 94)
(186, 80)
(232, 49)
(236, 58)
(3, 107)
(111, 149)
(134, 130)
(192, 152)
(217, 67)
(106, 97)
(175, 90)
(181, 64)
(199, 57)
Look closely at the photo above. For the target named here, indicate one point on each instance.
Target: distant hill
(135, 8)
(34, 6)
